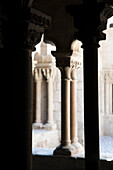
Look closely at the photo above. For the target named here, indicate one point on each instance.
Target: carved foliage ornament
(49, 73)
(38, 74)
(108, 76)
(40, 19)
(38, 22)
(33, 38)
(75, 64)
(28, 28)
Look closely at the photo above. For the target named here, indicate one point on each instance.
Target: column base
(78, 147)
(50, 126)
(65, 150)
(37, 125)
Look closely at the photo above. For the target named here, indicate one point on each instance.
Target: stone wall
(80, 106)
(42, 138)
(57, 101)
(108, 125)
(105, 83)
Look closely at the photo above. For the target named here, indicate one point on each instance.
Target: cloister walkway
(106, 149)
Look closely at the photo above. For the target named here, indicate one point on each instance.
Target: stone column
(21, 36)
(107, 93)
(65, 147)
(50, 100)
(90, 33)
(112, 98)
(91, 105)
(49, 74)
(101, 102)
(111, 93)
(66, 106)
(73, 111)
(38, 79)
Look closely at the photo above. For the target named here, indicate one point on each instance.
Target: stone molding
(43, 60)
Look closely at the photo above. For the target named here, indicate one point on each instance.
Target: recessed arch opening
(103, 117)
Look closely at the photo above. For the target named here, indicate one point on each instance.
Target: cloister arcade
(51, 95)
(62, 22)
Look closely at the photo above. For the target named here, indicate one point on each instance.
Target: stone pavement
(106, 147)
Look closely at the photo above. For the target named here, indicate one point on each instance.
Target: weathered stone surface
(44, 138)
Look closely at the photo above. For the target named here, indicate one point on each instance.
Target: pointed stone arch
(105, 14)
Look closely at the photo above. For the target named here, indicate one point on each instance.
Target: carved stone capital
(27, 30)
(94, 17)
(38, 74)
(75, 62)
(67, 71)
(108, 76)
(63, 58)
(49, 73)
(68, 65)
(74, 74)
